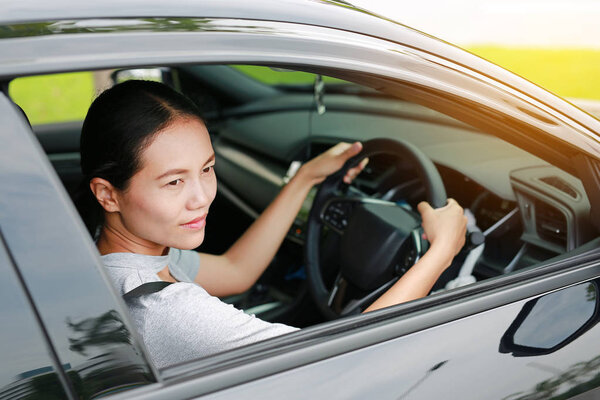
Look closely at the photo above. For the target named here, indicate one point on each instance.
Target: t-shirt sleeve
(184, 264)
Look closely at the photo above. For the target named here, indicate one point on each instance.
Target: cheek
(145, 212)
(213, 188)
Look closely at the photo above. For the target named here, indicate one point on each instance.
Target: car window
(26, 371)
(281, 76)
(254, 152)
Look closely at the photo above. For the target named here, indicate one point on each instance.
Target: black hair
(119, 125)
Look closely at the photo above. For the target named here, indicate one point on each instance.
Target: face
(167, 200)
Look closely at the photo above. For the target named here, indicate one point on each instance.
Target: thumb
(424, 207)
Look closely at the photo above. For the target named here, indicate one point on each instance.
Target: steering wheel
(379, 240)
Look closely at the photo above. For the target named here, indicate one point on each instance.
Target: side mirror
(550, 322)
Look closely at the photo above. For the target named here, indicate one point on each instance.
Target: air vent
(560, 184)
(551, 224)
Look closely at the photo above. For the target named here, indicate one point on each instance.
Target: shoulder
(188, 301)
(130, 270)
(184, 264)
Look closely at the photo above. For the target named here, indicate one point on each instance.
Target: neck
(114, 238)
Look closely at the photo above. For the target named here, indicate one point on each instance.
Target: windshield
(292, 80)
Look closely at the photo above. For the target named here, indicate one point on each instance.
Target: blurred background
(553, 43)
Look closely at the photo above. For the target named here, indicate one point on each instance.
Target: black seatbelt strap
(146, 288)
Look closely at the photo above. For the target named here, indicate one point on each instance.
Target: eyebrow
(171, 172)
(211, 158)
(176, 171)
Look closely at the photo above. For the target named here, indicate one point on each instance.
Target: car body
(525, 160)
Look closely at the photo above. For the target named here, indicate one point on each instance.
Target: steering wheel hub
(371, 242)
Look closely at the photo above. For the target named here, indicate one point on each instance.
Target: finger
(363, 163)
(352, 150)
(339, 149)
(351, 174)
(452, 203)
(354, 171)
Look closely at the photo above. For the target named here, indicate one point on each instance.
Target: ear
(105, 193)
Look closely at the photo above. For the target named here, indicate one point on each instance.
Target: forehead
(183, 141)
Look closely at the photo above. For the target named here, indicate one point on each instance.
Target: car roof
(35, 18)
(299, 11)
(333, 14)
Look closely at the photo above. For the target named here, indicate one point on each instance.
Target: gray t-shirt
(182, 322)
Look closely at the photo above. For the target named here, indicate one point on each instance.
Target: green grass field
(54, 98)
(566, 72)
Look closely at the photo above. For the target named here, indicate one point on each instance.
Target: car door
(462, 358)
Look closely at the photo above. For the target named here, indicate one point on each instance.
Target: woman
(149, 162)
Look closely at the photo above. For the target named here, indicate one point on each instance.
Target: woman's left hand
(323, 165)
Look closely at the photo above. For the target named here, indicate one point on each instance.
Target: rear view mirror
(550, 322)
(161, 75)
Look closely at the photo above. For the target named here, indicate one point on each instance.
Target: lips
(197, 223)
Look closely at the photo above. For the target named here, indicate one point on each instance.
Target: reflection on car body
(524, 161)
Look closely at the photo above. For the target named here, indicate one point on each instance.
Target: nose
(199, 195)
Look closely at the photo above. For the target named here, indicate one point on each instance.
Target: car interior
(265, 121)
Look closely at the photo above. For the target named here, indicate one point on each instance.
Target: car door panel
(458, 359)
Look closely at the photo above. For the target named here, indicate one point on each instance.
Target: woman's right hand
(445, 227)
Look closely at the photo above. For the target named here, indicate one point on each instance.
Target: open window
(528, 209)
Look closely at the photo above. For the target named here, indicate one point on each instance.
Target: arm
(238, 269)
(445, 228)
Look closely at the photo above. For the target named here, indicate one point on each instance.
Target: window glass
(281, 76)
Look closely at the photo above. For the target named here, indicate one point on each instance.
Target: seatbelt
(146, 288)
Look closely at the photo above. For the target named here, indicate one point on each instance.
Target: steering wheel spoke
(336, 295)
(411, 252)
(355, 306)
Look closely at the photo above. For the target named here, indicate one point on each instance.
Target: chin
(189, 243)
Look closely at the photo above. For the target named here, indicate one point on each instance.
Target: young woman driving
(148, 160)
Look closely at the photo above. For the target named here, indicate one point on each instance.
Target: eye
(176, 182)
(206, 170)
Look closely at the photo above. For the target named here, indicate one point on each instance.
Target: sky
(528, 23)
